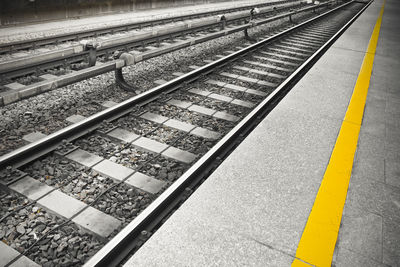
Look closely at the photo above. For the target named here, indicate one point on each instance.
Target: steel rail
(18, 45)
(115, 251)
(36, 149)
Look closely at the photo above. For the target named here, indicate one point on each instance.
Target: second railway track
(96, 32)
(27, 76)
(134, 162)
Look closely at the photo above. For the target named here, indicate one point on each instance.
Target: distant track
(76, 36)
(143, 46)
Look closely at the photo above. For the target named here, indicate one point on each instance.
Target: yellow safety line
(318, 240)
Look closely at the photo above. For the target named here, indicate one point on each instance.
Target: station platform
(48, 28)
(262, 206)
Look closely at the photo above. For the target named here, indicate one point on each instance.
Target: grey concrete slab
(374, 197)
(7, 254)
(97, 222)
(234, 250)
(392, 106)
(365, 164)
(315, 93)
(301, 46)
(180, 125)
(225, 116)
(150, 145)
(123, 135)
(293, 48)
(33, 137)
(236, 87)
(242, 103)
(392, 171)
(205, 133)
(375, 128)
(214, 82)
(392, 135)
(27, 92)
(202, 110)
(281, 56)
(308, 38)
(83, 157)
(199, 92)
(350, 62)
(14, 86)
(346, 257)
(220, 97)
(24, 262)
(256, 92)
(285, 63)
(145, 183)
(154, 117)
(113, 170)
(179, 155)
(390, 85)
(229, 75)
(179, 103)
(9, 97)
(373, 114)
(31, 188)
(361, 232)
(269, 74)
(300, 41)
(160, 82)
(75, 118)
(269, 66)
(295, 54)
(178, 74)
(298, 38)
(48, 76)
(391, 207)
(61, 204)
(392, 148)
(242, 68)
(252, 80)
(108, 104)
(194, 67)
(391, 244)
(292, 53)
(270, 84)
(375, 92)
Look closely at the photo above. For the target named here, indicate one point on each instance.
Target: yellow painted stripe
(318, 240)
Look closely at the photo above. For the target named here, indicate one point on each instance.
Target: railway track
(121, 172)
(24, 77)
(94, 33)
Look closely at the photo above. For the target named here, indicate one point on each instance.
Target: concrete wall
(25, 11)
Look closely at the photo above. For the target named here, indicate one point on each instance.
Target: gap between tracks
(319, 237)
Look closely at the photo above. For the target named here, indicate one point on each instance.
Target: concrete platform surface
(253, 209)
